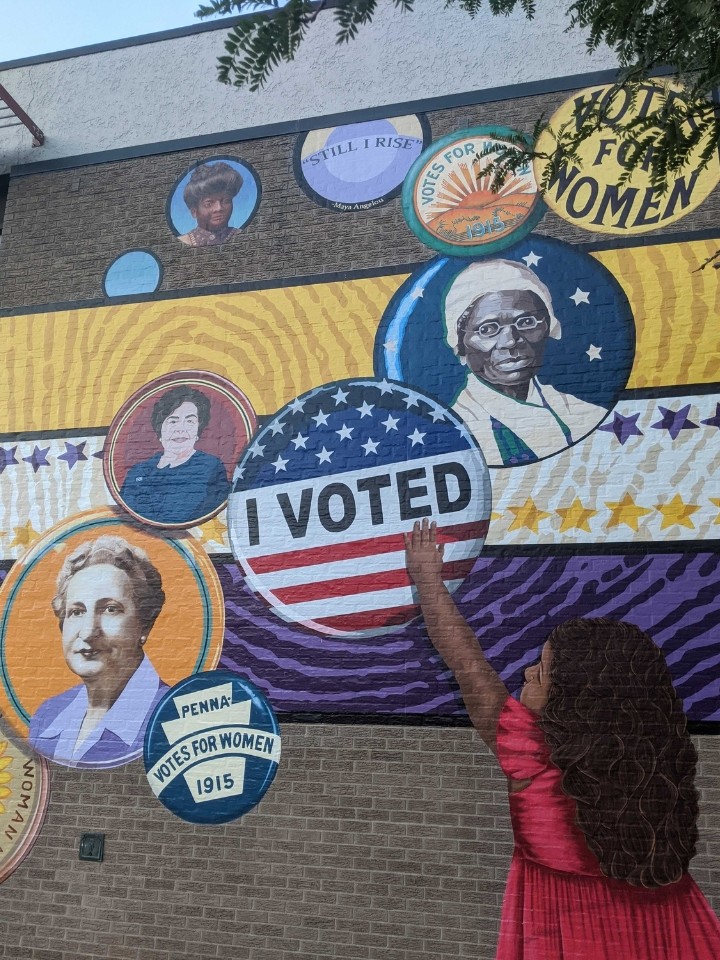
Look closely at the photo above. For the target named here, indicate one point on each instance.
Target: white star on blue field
(349, 426)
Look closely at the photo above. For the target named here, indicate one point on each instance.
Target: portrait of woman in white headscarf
(498, 318)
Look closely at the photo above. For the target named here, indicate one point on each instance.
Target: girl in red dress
(600, 772)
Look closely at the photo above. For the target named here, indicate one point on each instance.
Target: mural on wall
(617, 524)
(212, 748)
(531, 350)
(591, 196)
(606, 417)
(448, 200)
(24, 798)
(579, 381)
(173, 445)
(327, 488)
(213, 202)
(358, 166)
(119, 615)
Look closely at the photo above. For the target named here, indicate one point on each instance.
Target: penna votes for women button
(212, 747)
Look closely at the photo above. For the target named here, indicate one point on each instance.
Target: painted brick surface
(74, 223)
(376, 840)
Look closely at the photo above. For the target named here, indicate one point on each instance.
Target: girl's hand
(423, 555)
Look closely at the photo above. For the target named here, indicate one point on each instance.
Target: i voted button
(212, 747)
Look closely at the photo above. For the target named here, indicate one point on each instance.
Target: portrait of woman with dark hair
(108, 597)
(209, 195)
(180, 484)
(600, 771)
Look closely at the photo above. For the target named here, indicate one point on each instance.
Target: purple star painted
(623, 427)
(674, 421)
(713, 421)
(100, 454)
(38, 458)
(74, 452)
(7, 458)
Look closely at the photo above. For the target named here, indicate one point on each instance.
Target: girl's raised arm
(482, 689)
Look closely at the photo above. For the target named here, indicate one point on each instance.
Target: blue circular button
(212, 747)
(132, 273)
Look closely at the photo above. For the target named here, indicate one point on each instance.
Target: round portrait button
(530, 349)
(119, 614)
(212, 748)
(173, 445)
(213, 201)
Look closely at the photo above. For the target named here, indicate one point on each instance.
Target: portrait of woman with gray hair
(498, 318)
(109, 595)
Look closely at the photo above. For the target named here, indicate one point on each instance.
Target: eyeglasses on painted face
(527, 323)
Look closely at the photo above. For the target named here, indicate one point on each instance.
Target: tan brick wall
(62, 229)
(374, 843)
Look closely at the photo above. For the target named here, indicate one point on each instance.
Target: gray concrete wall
(167, 90)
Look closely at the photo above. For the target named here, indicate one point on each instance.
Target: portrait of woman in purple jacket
(109, 595)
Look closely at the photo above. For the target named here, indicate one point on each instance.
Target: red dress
(558, 905)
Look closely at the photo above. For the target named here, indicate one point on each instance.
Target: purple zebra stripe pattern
(512, 604)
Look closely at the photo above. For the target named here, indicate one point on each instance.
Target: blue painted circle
(212, 747)
(132, 273)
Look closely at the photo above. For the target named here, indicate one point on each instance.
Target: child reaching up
(600, 771)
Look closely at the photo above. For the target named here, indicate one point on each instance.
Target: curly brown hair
(144, 576)
(617, 730)
(210, 179)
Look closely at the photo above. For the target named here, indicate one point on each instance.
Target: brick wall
(374, 843)
(63, 228)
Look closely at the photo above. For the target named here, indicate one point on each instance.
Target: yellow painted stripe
(75, 368)
(676, 308)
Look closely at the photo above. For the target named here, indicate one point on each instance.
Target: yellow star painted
(716, 501)
(677, 511)
(215, 530)
(528, 515)
(576, 516)
(626, 511)
(498, 516)
(24, 535)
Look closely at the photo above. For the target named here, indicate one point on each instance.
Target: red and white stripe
(360, 587)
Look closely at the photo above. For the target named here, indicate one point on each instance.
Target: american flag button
(326, 489)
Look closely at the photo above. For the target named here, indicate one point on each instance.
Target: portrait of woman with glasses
(498, 318)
